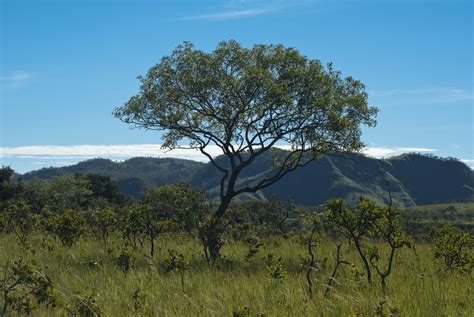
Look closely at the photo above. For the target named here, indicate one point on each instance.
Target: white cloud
(235, 9)
(107, 151)
(468, 162)
(25, 158)
(424, 96)
(381, 152)
(52, 152)
(15, 78)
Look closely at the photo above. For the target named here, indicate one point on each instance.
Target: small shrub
(254, 245)
(103, 221)
(20, 220)
(381, 310)
(138, 300)
(176, 262)
(276, 271)
(24, 287)
(243, 311)
(125, 260)
(452, 248)
(85, 307)
(67, 227)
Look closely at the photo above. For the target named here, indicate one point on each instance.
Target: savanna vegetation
(75, 246)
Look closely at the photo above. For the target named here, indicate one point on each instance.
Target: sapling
(176, 262)
(309, 236)
(153, 225)
(356, 223)
(332, 233)
(129, 225)
(125, 260)
(254, 245)
(388, 228)
(275, 269)
(338, 263)
(103, 220)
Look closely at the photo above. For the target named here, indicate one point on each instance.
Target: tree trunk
(211, 233)
(364, 260)
(152, 247)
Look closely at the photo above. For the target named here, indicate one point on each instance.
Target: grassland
(236, 285)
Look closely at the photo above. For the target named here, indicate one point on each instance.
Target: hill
(131, 175)
(413, 179)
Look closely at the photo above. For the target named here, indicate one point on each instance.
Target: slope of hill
(413, 179)
(131, 175)
(431, 180)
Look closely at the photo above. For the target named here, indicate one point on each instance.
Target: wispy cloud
(424, 96)
(243, 9)
(227, 15)
(15, 78)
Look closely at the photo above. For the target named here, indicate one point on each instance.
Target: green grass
(416, 287)
(420, 220)
(461, 207)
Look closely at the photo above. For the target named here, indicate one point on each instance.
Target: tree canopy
(246, 102)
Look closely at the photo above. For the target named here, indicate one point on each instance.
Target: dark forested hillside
(431, 180)
(412, 179)
(131, 175)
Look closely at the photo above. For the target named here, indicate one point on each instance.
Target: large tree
(246, 102)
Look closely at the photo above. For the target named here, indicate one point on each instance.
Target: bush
(452, 248)
(24, 287)
(66, 227)
(18, 218)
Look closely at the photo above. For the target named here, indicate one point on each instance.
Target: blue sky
(66, 64)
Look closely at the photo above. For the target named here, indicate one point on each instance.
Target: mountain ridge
(413, 179)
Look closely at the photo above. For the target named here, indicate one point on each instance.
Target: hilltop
(413, 179)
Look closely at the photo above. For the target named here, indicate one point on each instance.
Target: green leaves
(18, 218)
(367, 219)
(452, 248)
(179, 203)
(355, 222)
(23, 287)
(233, 94)
(66, 227)
(245, 101)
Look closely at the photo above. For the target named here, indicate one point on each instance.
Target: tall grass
(416, 287)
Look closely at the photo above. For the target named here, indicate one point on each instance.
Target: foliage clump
(176, 262)
(67, 227)
(125, 260)
(24, 288)
(452, 248)
(85, 306)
